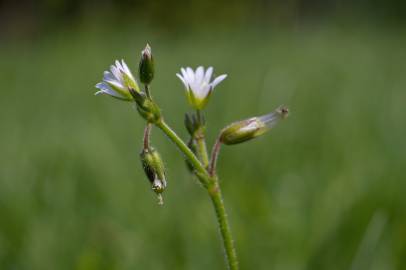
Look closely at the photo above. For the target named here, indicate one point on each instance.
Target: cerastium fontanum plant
(120, 83)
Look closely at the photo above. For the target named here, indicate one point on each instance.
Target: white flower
(198, 85)
(117, 81)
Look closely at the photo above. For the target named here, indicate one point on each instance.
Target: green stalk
(217, 200)
(201, 171)
(201, 142)
(210, 182)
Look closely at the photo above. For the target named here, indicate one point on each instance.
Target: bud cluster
(199, 84)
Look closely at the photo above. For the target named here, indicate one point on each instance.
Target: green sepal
(147, 108)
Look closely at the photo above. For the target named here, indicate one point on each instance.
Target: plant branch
(147, 135)
(201, 141)
(210, 182)
(214, 156)
(202, 173)
(147, 92)
(217, 200)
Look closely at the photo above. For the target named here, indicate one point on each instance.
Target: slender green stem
(147, 135)
(214, 156)
(147, 92)
(210, 182)
(203, 175)
(217, 200)
(201, 142)
(202, 149)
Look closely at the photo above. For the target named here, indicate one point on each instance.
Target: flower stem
(202, 173)
(217, 200)
(214, 156)
(210, 182)
(147, 135)
(147, 92)
(201, 142)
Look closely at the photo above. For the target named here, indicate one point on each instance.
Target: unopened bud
(193, 123)
(154, 169)
(146, 68)
(251, 128)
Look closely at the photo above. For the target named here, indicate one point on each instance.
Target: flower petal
(108, 76)
(183, 80)
(106, 89)
(191, 75)
(199, 74)
(218, 80)
(208, 74)
(116, 72)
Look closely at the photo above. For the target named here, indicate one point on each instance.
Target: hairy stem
(202, 149)
(218, 204)
(217, 200)
(202, 173)
(201, 142)
(147, 92)
(210, 182)
(214, 156)
(147, 135)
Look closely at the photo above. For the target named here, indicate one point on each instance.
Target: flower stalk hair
(121, 84)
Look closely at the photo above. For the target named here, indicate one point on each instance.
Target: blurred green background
(323, 190)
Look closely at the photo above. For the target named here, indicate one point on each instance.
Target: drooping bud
(146, 106)
(251, 128)
(154, 169)
(146, 67)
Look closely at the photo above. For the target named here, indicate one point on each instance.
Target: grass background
(323, 190)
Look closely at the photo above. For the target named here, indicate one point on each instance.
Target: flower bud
(154, 169)
(248, 129)
(193, 123)
(146, 106)
(146, 68)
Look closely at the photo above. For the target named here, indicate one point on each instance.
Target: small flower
(251, 128)
(198, 85)
(117, 82)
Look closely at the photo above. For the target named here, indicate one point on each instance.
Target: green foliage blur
(324, 190)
